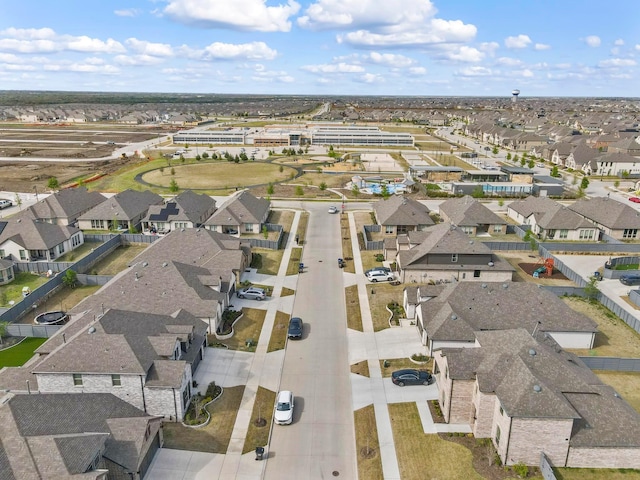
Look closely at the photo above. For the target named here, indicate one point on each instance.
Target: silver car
(253, 293)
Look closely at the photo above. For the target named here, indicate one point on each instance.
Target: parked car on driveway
(378, 276)
(630, 279)
(252, 293)
(284, 408)
(295, 328)
(378, 269)
(5, 203)
(410, 376)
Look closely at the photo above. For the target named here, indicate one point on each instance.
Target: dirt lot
(526, 262)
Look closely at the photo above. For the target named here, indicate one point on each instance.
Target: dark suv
(630, 279)
(295, 328)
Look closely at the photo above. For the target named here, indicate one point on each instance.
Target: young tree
(53, 183)
(495, 150)
(299, 191)
(584, 183)
(270, 189)
(355, 190)
(531, 163)
(173, 186)
(554, 171)
(323, 186)
(508, 155)
(205, 155)
(173, 171)
(161, 170)
(384, 191)
(70, 278)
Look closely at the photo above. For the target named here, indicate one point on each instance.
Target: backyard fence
(92, 280)
(366, 234)
(28, 330)
(612, 363)
(269, 244)
(545, 468)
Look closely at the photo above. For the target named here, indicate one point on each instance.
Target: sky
(323, 47)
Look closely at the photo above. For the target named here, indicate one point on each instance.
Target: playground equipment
(546, 268)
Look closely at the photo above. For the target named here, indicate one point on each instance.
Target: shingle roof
(401, 210)
(532, 205)
(35, 235)
(562, 217)
(468, 212)
(608, 212)
(240, 209)
(188, 206)
(466, 307)
(126, 205)
(67, 204)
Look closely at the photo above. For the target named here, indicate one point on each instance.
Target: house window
(467, 230)
(586, 234)
(497, 435)
(551, 233)
(388, 229)
(630, 233)
(116, 381)
(2, 255)
(61, 248)
(454, 258)
(564, 234)
(497, 228)
(248, 227)
(77, 379)
(97, 224)
(476, 274)
(23, 254)
(400, 229)
(501, 410)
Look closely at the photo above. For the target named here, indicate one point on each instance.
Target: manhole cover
(336, 473)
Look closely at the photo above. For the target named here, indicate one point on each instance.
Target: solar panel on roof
(164, 213)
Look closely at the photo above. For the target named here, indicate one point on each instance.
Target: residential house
(242, 213)
(64, 207)
(123, 211)
(91, 436)
(145, 359)
(452, 318)
(522, 211)
(619, 164)
(187, 210)
(613, 218)
(471, 216)
(193, 269)
(26, 240)
(630, 145)
(444, 253)
(582, 159)
(530, 397)
(6, 271)
(399, 214)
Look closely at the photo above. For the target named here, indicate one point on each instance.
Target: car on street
(252, 293)
(295, 328)
(410, 376)
(630, 279)
(634, 199)
(540, 165)
(284, 408)
(5, 203)
(378, 276)
(333, 209)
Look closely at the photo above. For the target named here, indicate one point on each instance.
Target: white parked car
(379, 276)
(284, 408)
(254, 293)
(333, 209)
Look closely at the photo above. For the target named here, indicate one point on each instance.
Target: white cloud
(525, 72)
(438, 32)
(45, 40)
(136, 60)
(619, 42)
(465, 54)
(418, 71)
(85, 67)
(390, 60)
(508, 61)
(489, 47)
(370, 78)
(235, 51)
(149, 48)
(245, 15)
(475, 72)
(617, 62)
(333, 68)
(128, 12)
(637, 47)
(521, 41)
(592, 41)
(542, 46)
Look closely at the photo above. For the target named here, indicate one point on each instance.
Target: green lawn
(13, 291)
(18, 355)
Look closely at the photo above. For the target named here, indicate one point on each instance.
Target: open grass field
(219, 175)
(261, 416)
(420, 454)
(215, 437)
(267, 261)
(17, 355)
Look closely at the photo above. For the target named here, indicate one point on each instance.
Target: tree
(384, 191)
(355, 190)
(531, 163)
(508, 155)
(323, 186)
(554, 171)
(19, 201)
(280, 168)
(299, 190)
(205, 155)
(270, 189)
(265, 232)
(516, 158)
(523, 161)
(181, 158)
(70, 278)
(161, 170)
(584, 183)
(495, 150)
(198, 158)
(3, 330)
(53, 183)
(173, 186)
(173, 171)
(477, 192)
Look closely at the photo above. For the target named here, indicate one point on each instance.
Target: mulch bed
(530, 267)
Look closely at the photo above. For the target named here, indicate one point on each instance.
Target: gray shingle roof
(608, 212)
(531, 205)
(240, 209)
(34, 235)
(66, 204)
(562, 217)
(467, 211)
(401, 210)
(126, 205)
(189, 206)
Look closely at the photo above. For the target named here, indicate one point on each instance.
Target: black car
(630, 279)
(409, 376)
(295, 328)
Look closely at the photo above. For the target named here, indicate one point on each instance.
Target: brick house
(613, 218)
(471, 216)
(123, 211)
(531, 397)
(242, 213)
(63, 207)
(400, 214)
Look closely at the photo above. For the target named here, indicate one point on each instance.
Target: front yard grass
(347, 249)
(614, 338)
(118, 260)
(380, 295)
(215, 437)
(394, 364)
(354, 315)
(19, 354)
(367, 444)
(279, 333)
(303, 223)
(267, 261)
(294, 260)
(261, 416)
(360, 368)
(245, 329)
(419, 453)
(13, 291)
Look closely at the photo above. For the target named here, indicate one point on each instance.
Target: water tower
(515, 94)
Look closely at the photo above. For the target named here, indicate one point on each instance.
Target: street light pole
(35, 188)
